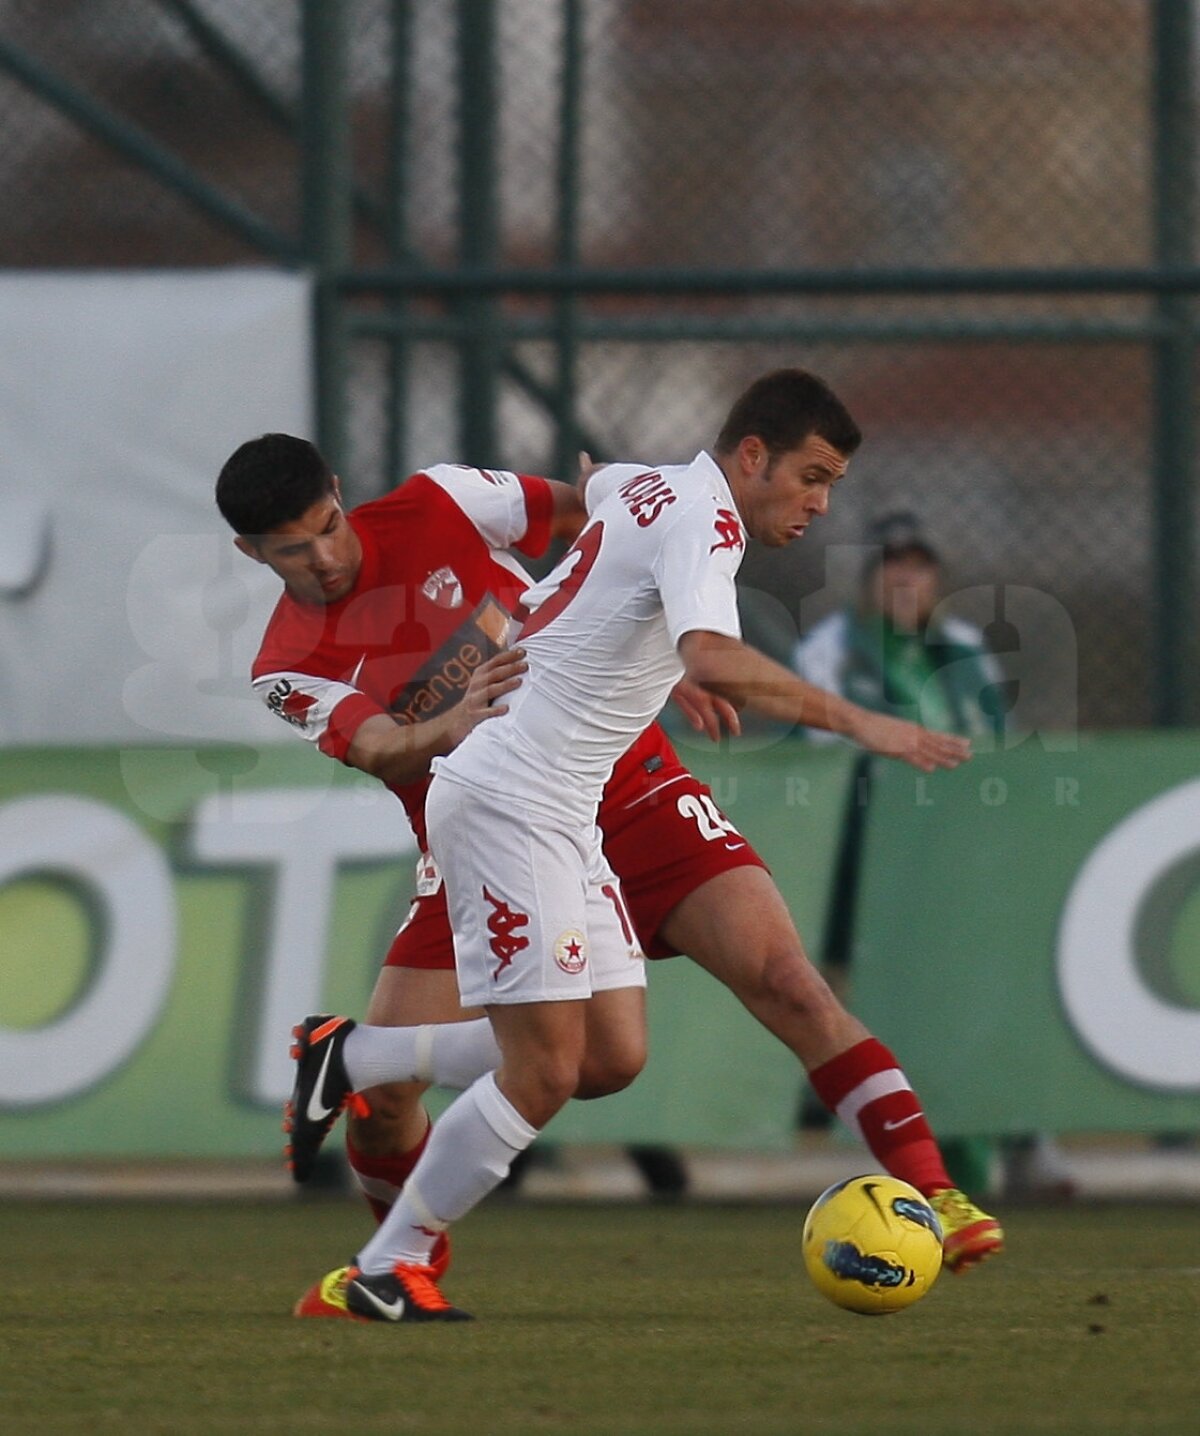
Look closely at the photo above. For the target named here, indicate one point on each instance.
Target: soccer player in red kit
(379, 652)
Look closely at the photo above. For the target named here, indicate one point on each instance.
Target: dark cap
(896, 533)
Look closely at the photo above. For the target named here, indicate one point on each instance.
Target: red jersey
(431, 603)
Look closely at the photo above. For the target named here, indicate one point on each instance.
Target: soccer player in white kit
(645, 595)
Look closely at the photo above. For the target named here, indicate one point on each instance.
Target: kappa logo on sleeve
(729, 531)
(286, 700)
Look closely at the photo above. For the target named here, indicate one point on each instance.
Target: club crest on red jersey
(443, 588)
(729, 531)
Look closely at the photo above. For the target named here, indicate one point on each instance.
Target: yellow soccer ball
(872, 1244)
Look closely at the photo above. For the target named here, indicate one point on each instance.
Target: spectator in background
(896, 652)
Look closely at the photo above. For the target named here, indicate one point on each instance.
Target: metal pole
(567, 307)
(1174, 424)
(327, 222)
(228, 56)
(714, 329)
(743, 283)
(478, 227)
(399, 142)
(135, 145)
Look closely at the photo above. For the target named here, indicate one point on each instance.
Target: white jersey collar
(716, 476)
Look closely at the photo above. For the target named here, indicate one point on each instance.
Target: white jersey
(657, 559)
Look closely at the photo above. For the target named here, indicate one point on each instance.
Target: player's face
(318, 555)
(790, 490)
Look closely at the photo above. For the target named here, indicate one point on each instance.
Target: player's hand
(587, 467)
(910, 743)
(705, 711)
(489, 682)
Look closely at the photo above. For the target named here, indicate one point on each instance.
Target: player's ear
(243, 545)
(753, 455)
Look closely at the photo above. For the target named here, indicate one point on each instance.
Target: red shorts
(662, 846)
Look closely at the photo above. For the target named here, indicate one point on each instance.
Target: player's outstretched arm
(923, 748)
(730, 668)
(401, 753)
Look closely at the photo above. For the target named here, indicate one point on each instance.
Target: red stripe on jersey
(539, 505)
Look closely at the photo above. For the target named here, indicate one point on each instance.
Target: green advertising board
(1028, 935)
(1027, 940)
(166, 914)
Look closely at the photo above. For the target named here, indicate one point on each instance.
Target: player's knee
(548, 1082)
(611, 1070)
(790, 982)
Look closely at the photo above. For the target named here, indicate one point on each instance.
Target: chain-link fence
(988, 188)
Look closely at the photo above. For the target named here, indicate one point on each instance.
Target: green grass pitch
(148, 1318)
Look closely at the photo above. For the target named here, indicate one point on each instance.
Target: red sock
(381, 1178)
(865, 1087)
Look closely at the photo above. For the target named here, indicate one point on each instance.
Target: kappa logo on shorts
(501, 924)
(570, 950)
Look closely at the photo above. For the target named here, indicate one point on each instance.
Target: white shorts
(536, 911)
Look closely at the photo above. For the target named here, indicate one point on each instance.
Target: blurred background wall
(974, 219)
(499, 230)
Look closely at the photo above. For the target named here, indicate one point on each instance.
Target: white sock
(470, 1150)
(448, 1054)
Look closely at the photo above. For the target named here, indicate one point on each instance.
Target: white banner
(125, 613)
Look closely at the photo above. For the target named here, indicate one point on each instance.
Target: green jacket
(945, 678)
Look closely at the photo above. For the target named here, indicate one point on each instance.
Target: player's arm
(707, 712)
(344, 723)
(400, 753)
(569, 513)
(510, 510)
(587, 467)
(743, 676)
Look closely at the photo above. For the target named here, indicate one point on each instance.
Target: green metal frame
(133, 144)
(353, 304)
(1174, 441)
(327, 210)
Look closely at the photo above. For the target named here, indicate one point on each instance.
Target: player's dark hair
(270, 481)
(783, 409)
